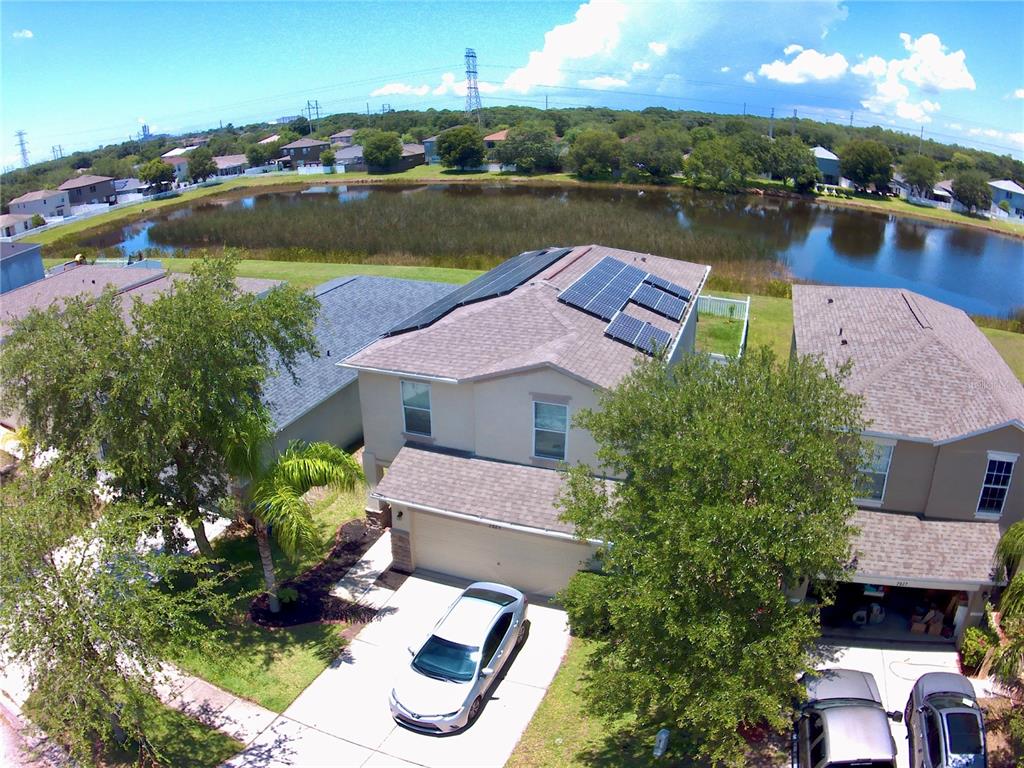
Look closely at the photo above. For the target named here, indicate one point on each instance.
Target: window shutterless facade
(416, 407)
(550, 430)
(995, 486)
(874, 472)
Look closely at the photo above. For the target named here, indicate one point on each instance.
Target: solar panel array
(503, 279)
(638, 333)
(605, 288)
(660, 301)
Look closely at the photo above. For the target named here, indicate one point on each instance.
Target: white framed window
(874, 472)
(550, 430)
(995, 486)
(416, 407)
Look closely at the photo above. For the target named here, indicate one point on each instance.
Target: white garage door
(479, 552)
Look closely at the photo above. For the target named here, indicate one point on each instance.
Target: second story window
(996, 484)
(416, 407)
(874, 472)
(550, 429)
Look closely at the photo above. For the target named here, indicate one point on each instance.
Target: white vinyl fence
(734, 309)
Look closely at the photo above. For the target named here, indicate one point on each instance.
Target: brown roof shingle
(924, 368)
(83, 181)
(474, 486)
(895, 545)
(528, 328)
(39, 194)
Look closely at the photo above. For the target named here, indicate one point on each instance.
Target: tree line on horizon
(731, 147)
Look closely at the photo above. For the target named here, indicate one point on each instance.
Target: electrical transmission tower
(23, 148)
(58, 151)
(473, 105)
(311, 108)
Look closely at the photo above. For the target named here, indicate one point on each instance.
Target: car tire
(474, 709)
(521, 637)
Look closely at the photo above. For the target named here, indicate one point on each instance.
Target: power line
(473, 105)
(22, 148)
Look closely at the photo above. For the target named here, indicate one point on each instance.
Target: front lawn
(272, 666)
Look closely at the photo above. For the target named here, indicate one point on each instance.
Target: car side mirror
(486, 672)
(411, 650)
(896, 717)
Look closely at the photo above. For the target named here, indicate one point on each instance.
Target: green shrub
(287, 595)
(585, 601)
(976, 644)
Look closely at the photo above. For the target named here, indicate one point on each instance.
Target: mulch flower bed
(314, 601)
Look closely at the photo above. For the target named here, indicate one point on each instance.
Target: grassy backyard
(272, 666)
(719, 335)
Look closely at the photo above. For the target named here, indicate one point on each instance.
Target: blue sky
(83, 74)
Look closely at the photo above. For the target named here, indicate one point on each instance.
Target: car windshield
(447, 660)
(964, 733)
(490, 596)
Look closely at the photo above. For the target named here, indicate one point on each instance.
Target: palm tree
(276, 490)
(1009, 661)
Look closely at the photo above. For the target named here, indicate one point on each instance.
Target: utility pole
(851, 118)
(23, 148)
(58, 151)
(311, 107)
(771, 125)
(794, 122)
(473, 105)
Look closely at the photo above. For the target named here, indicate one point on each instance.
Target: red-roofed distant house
(88, 189)
(492, 140)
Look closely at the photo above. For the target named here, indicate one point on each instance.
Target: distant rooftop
(824, 154)
(84, 180)
(270, 139)
(224, 162)
(924, 368)
(10, 250)
(306, 142)
(497, 136)
(39, 194)
(1007, 185)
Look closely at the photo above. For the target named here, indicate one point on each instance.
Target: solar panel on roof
(503, 279)
(638, 334)
(659, 301)
(604, 289)
(667, 285)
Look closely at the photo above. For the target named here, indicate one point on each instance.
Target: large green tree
(1009, 659)
(257, 154)
(382, 149)
(87, 612)
(921, 173)
(276, 490)
(737, 481)
(654, 154)
(200, 164)
(791, 160)
(718, 164)
(866, 163)
(971, 188)
(530, 147)
(461, 147)
(161, 394)
(596, 153)
(156, 172)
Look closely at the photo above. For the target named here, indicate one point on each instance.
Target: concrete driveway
(896, 669)
(342, 718)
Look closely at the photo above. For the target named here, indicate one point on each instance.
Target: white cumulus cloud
(809, 65)
(449, 85)
(929, 68)
(401, 89)
(1019, 93)
(22, 34)
(641, 66)
(792, 48)
(658, 49)
(749, 78)
(725, 69)
(595, 29)
(604, 81)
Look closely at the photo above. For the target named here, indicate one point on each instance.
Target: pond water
(978, 271)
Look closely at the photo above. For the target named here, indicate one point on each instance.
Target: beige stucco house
(946, 430)
(468, 406)
(48, 203)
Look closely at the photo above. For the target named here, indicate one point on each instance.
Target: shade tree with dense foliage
(461, 147)
(921, 173)
(156, 172)
(718, 163)
(200, 164)
(655, 155)
(972, 190)
(595, 154)
(88, 610)
(791, 160)
(257, 155)
(867, 163)
(162, 392)
(530, 147)
(738, 482)
(382, 149)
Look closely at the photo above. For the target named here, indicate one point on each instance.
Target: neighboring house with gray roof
(48, 203)
(468, 405)
(89, 189)
(354, 311)
(946, 431)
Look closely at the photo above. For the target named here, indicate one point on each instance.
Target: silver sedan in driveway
(944, 723)
(443, 688)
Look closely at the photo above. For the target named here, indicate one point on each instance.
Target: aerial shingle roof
(229, 161)
(473, 486)
(39, 194)
(84, 180)
(924, 368)
(306, 142)
(891, 544)
(353, 312)
(529, 328)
